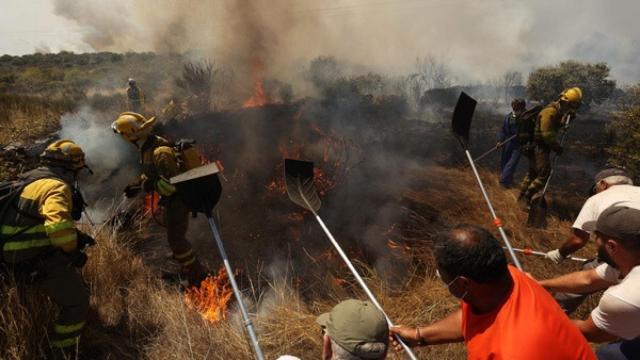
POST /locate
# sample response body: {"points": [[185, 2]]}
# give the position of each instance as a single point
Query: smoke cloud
{"points": [[479, 40], [112, 160]]}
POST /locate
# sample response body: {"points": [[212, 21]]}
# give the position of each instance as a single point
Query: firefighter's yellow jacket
{"points": [[161, 161], [39, 220], [547, 125]]}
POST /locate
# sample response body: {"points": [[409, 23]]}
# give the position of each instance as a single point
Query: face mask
{"points": [[461, 297]]}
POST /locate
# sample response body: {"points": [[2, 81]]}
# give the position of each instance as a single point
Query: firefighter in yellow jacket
{"points": [[161, 161], [550, 120], [38, 236]]}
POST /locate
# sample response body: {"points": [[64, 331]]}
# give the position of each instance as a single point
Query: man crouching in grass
{"points": [[504, 314]]}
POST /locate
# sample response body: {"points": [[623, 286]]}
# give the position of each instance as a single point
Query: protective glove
{"points": [[84, 240], [77, 258], [555, 256], [132, 190]]}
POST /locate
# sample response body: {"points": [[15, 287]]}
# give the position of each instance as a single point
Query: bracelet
{"points": [[421, 341]]}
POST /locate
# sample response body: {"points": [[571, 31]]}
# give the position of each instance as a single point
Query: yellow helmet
{"points": [[133, 126], [64, 153], [573, 96]]}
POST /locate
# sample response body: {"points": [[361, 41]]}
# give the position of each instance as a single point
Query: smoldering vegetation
{"points": [[390, 176]]}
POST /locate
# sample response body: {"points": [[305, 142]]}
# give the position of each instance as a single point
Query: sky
{"points": [[478, 39]]}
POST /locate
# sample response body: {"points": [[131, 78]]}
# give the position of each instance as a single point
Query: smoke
{"points": [[479, 40], [112, 160]]}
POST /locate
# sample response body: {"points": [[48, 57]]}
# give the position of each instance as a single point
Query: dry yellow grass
{"points": [[135, 315]]}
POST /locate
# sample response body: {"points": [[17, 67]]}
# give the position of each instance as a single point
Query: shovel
{"points": [[461, 124], [302, 191], [200, 190], [538, 212], [495, 148]]}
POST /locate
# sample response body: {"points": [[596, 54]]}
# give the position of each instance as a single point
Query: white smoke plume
{"points": [[112, 160], [479, 39]]}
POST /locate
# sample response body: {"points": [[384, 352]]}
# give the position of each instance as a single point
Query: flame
{"points": [[151, 204], [259, 98], [211, 299], [339, 281]]}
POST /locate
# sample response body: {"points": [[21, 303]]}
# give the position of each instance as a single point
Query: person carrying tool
{"points": [[617, 316], [354, 330], [40, 242], [511, 150], [610, 187], [160, 161], [504, 314], [550, 120], [135, 96]]}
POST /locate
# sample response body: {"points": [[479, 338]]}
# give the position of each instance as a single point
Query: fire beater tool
{"points": [[302, 191], [461, 124], [200, 190], [495, 148], [540, 253], [538, 212]]}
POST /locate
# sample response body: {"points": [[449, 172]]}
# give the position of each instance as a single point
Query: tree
{"points": [[546, 83], [624, 126], [429, 74], [510, 81]]}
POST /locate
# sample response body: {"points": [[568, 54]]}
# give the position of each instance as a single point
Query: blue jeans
{"points": [[508, 164], [620, 350]]}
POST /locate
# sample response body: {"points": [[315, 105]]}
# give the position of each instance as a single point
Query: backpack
{"points": [[526, 125], [188, 156]]}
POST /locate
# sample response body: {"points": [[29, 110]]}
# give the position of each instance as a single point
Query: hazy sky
{"points": [[481, 39], [26, 25]]}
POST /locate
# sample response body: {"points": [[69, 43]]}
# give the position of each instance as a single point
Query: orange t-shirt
{"points": [[529, 326]]}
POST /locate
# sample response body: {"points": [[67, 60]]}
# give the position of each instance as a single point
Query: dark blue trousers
{"points": [[509, 164]]}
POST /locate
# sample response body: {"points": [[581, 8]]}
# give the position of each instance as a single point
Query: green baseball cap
{"points": [[353, 323]]}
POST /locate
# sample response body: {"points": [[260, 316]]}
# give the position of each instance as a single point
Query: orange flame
{"points": [[211, 299], [151, 204], [259, 98]]}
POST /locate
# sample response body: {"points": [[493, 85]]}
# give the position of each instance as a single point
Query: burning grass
{"points": [[134, 314]]}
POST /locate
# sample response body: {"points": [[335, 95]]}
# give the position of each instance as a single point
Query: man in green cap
{"points": [[354, 330]]}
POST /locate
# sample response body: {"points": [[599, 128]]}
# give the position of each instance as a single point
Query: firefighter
{"points": [[161, 161], [135, 96], [39, 239], [551, 119]]}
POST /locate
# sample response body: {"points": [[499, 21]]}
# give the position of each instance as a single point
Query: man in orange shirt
{"points": [[504, 314]]}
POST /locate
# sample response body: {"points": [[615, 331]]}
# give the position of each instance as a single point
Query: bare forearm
{"points": [[591, 332], [447, 330], [581, 282]]}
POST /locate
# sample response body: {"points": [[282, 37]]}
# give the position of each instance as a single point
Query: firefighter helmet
{"points": [[132, 81], [64, 153], [133, 126], [573, 96]]}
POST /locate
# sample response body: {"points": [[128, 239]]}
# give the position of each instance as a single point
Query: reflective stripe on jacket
{"points": [[39, 221]]}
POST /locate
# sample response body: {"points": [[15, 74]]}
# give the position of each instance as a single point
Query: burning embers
{"points": [[259, 98], [211, 299]]}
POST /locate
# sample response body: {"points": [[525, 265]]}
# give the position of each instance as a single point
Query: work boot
{"points": [[193, 274]]}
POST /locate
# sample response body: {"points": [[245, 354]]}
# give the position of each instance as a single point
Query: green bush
{"points": [[624, 126]]}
